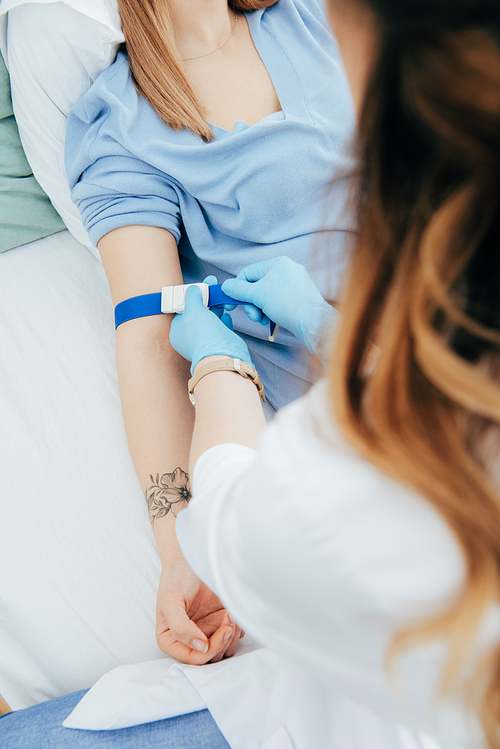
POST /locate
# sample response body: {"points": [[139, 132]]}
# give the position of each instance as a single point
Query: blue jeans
{"points": [[39, 727]]}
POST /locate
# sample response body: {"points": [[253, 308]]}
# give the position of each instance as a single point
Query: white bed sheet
{"points": [[78, 558], [258, 700]]}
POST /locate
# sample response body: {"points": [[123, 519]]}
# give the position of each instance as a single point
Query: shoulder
{"points": [[315, 8], [301, 29], [303, 7], [312, 13], [112, 88], [107, 110], [112, 109], [99, 115]]}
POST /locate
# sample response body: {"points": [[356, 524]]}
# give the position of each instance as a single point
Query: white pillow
{"points": [[55, 50]]}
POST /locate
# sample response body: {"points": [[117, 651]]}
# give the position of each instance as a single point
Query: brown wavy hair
{"points": [[425, 286], [156, 66]]}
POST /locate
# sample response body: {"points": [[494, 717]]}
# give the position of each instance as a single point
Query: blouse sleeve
{"points": [[111, 186], [325, 559]]}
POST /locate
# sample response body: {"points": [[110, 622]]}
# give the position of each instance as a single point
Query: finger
{"points": [[224, 316], [169, 645], [218, 311], [253, 312], [241, 632], [222, 644], [233, 644], [210, 624], [219, 643], [184, 630], [255, 271], [227, 320], [230, 638], [239, 289], [230, 307], [210, 280], [193, 297]]}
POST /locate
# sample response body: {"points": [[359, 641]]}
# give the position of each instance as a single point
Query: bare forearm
{"points": [[159, 421], [152, 376]]}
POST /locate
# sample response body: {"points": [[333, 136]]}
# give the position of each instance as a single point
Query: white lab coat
{"points": [[323, 558]]}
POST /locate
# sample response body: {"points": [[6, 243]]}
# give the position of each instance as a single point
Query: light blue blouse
{"points": [[252, 193]]}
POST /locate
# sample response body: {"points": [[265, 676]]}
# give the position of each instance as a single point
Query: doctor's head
{"points": [[400, 28], [424, 281]]}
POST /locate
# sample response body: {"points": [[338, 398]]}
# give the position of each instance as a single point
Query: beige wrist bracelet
{"points": [[226, 365]]}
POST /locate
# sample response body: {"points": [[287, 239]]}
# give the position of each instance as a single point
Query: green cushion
{"points": [[26, 213]]}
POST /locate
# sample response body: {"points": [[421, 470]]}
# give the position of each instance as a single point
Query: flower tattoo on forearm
{"points": [[168, 493]]}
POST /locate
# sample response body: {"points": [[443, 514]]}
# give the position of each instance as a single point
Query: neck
{"points": [[200, 25]]}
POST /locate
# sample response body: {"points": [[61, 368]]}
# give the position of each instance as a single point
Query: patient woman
{"points": [[209, 146], [360, 538]]}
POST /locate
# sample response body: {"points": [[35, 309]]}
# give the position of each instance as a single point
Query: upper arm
{"points": [[109, 169], [139, 260]]}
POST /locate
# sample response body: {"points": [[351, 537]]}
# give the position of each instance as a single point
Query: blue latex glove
{"points": [[283, 291], [198, 332]]}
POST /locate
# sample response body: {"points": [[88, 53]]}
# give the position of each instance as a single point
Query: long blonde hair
{"points": [[425, 285], [156, 66]]}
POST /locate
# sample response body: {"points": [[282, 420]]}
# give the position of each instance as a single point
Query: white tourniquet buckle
{"points": [[173, 297]]}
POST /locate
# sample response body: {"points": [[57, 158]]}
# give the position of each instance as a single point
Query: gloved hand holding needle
{"points": [[279, 290]]}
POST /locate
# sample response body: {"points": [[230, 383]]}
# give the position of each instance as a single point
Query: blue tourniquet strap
{"points": [[150, 304], [138, 306], [217, 297]]}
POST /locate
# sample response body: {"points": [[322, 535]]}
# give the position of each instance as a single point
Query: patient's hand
{"points": [[191, 623]]}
